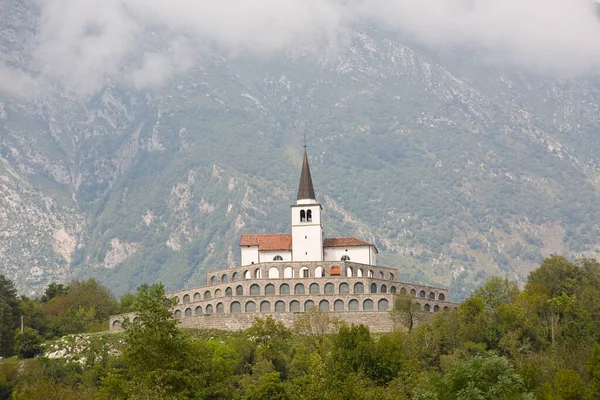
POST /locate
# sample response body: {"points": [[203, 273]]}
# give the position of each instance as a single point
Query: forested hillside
{"points": [[542, 342], [458, 170]]}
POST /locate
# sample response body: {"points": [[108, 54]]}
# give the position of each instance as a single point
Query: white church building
{"points": [[306, 242]]}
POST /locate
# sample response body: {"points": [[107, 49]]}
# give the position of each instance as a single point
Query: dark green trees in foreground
{"points": [[542, 342]]}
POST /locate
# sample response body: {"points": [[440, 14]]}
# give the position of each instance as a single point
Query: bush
{"points": [[28, 344]]}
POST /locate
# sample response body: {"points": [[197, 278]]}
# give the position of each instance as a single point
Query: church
{"points": [[306, 242], [284, 275]]}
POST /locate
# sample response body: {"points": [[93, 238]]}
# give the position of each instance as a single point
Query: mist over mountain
{"points": [[140, 139]]}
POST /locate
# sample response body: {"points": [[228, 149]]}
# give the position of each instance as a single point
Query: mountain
{"points": [[457, 170]]}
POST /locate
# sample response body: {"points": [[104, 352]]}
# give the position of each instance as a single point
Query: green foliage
{"points": [[501, 343], [269, 388], [28, 344], [481, 378], [9, 316], [497, 291]]}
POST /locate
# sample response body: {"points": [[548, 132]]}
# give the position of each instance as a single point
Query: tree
{"points": [[53, 290], [315, 324], [497, 291], [28, 344], [9, 316], [556, 275], [482, 378], [269, 388], [406, 311]]}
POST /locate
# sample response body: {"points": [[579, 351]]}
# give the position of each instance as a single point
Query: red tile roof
{"points": [[280, 241], [283, 241], [344, 242]]}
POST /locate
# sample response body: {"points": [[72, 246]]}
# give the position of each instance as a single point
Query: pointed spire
{"points": [[306, 190]]}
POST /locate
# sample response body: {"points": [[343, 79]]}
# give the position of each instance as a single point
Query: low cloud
{"points": [[82, 42]]}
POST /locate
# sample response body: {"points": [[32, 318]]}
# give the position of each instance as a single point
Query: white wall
{"points": [[267, 256], [249, 255], [307, 237], [358, 254]]}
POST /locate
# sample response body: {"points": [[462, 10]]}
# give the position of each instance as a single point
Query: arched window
{"points": [[269, 289], [247, 275], [116, 324], [197, 296], [273, 272], [382, 305], [224, 278], [393, 290], [413, 292], [207, 295], [344, 288], [328, 289], [284, 289], [304, 273], [359, 273], [368, 305], [373, 288], [446, 308], [319, 272], [250, 307], [383, 289], [257, 273], [218, 293], [380, 275], [308, 305], [302, 216], [265, 306], [209, 309], [370, 275], [213, 280], [436, 308], [278, 258], [431, 296], [228, 292], [345, 258], [309, 216], [359, 288], [288, 273], [338, 305], [255, 290], [220, 308], [349, 272], [186, 298], [198, 310], [441, 297], [235, 307], [422, 294], [239, 290], [427, 308], [392, 277], [294, 306], [402, 290], [314, 288], [235, 276], [177, 314], [353, 305], [279, 306], [324, 305], [299, 288]]}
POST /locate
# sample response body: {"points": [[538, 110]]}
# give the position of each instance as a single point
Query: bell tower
{"points": [[307, 230]]}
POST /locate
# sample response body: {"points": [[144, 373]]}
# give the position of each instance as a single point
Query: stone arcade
{"points": [[284, 275]]}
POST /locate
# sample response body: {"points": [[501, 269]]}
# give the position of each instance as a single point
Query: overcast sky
{"points": [[81, 41]]}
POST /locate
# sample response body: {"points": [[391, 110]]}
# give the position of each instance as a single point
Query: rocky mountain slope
{"points": [[456, 170]]}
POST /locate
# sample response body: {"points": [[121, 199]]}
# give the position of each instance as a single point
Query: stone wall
{"points": [[356, 293]]}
